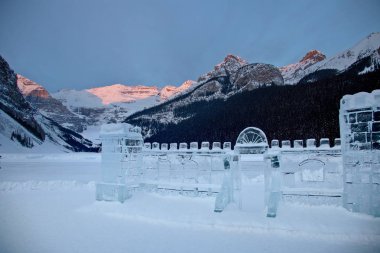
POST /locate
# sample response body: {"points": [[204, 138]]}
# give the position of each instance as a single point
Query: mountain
{"points": [[230, 64], [40, 99], [292, 73], [236, 94], [171, 91], [286, 112], [23, 126], [115, 102], [233, 95], [119, 93], [366, 54], [230, 77]]}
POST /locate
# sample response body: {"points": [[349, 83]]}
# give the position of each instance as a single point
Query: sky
{"points": [[79, 44]]}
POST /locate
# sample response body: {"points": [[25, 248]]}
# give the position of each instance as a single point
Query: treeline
{"points": [[283, 112], [22, 139]]}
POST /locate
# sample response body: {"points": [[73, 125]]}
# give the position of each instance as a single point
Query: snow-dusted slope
{"points": [[78, 98], [368, 47]]}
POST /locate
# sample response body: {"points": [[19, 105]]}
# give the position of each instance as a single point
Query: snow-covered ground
{"points": [[47, 204]]}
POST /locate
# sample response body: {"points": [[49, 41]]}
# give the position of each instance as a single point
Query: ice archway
{"points": [[252, 140]]}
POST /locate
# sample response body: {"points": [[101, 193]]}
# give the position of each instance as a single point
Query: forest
{"points": [[309, 109]]}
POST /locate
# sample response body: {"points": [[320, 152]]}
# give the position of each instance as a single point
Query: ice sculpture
{"points": [[173, 146], [230, 189], [216, 146], [251, 141], [298, 144], [359, 119], [194, 145], [121, 161], [205, 145], [307, 174], [285, 144], [324, 143], [273, 185], [183, 146], [164, 146], [311, 143], [155, 146], [147, 146], [227, 146], [251, 145]]}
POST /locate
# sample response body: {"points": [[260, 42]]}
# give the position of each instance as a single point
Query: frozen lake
{"points": [[48, 205]]}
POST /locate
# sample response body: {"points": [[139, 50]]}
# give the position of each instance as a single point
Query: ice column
{"points": [[229, 190], [273, 184]]}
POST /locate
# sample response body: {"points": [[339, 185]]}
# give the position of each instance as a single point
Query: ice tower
{"points": [[359, 119], [121, 161]]}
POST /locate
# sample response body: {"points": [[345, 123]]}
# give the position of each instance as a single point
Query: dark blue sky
{"points": [[87, 43]]}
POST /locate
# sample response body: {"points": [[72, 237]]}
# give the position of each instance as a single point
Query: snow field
{"points": [[48, 205]]}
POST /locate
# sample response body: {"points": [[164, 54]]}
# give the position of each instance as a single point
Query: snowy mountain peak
{"points": [[170, 91], [363, 48], [313, 56], [167, 92], [30, 88], [373, 38], [186, 84], [292, 73], [119, 93], [231, 63]]}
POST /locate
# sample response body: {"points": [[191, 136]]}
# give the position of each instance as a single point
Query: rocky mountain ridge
{"points": [[292, 73], [231, 63], [232, 76], [41, 99]]}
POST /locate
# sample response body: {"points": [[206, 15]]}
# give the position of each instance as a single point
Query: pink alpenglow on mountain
{"points": [[292, 73], [170, 91], [119, 93], [30, 88]]}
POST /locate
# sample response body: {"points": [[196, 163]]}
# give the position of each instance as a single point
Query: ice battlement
{"points": [[284, 145]]}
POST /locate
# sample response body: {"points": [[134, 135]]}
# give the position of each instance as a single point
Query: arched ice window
{"points": [[252, 141]]}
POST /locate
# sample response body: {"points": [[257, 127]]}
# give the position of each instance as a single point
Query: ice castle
{"points": [[346, 172]]}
